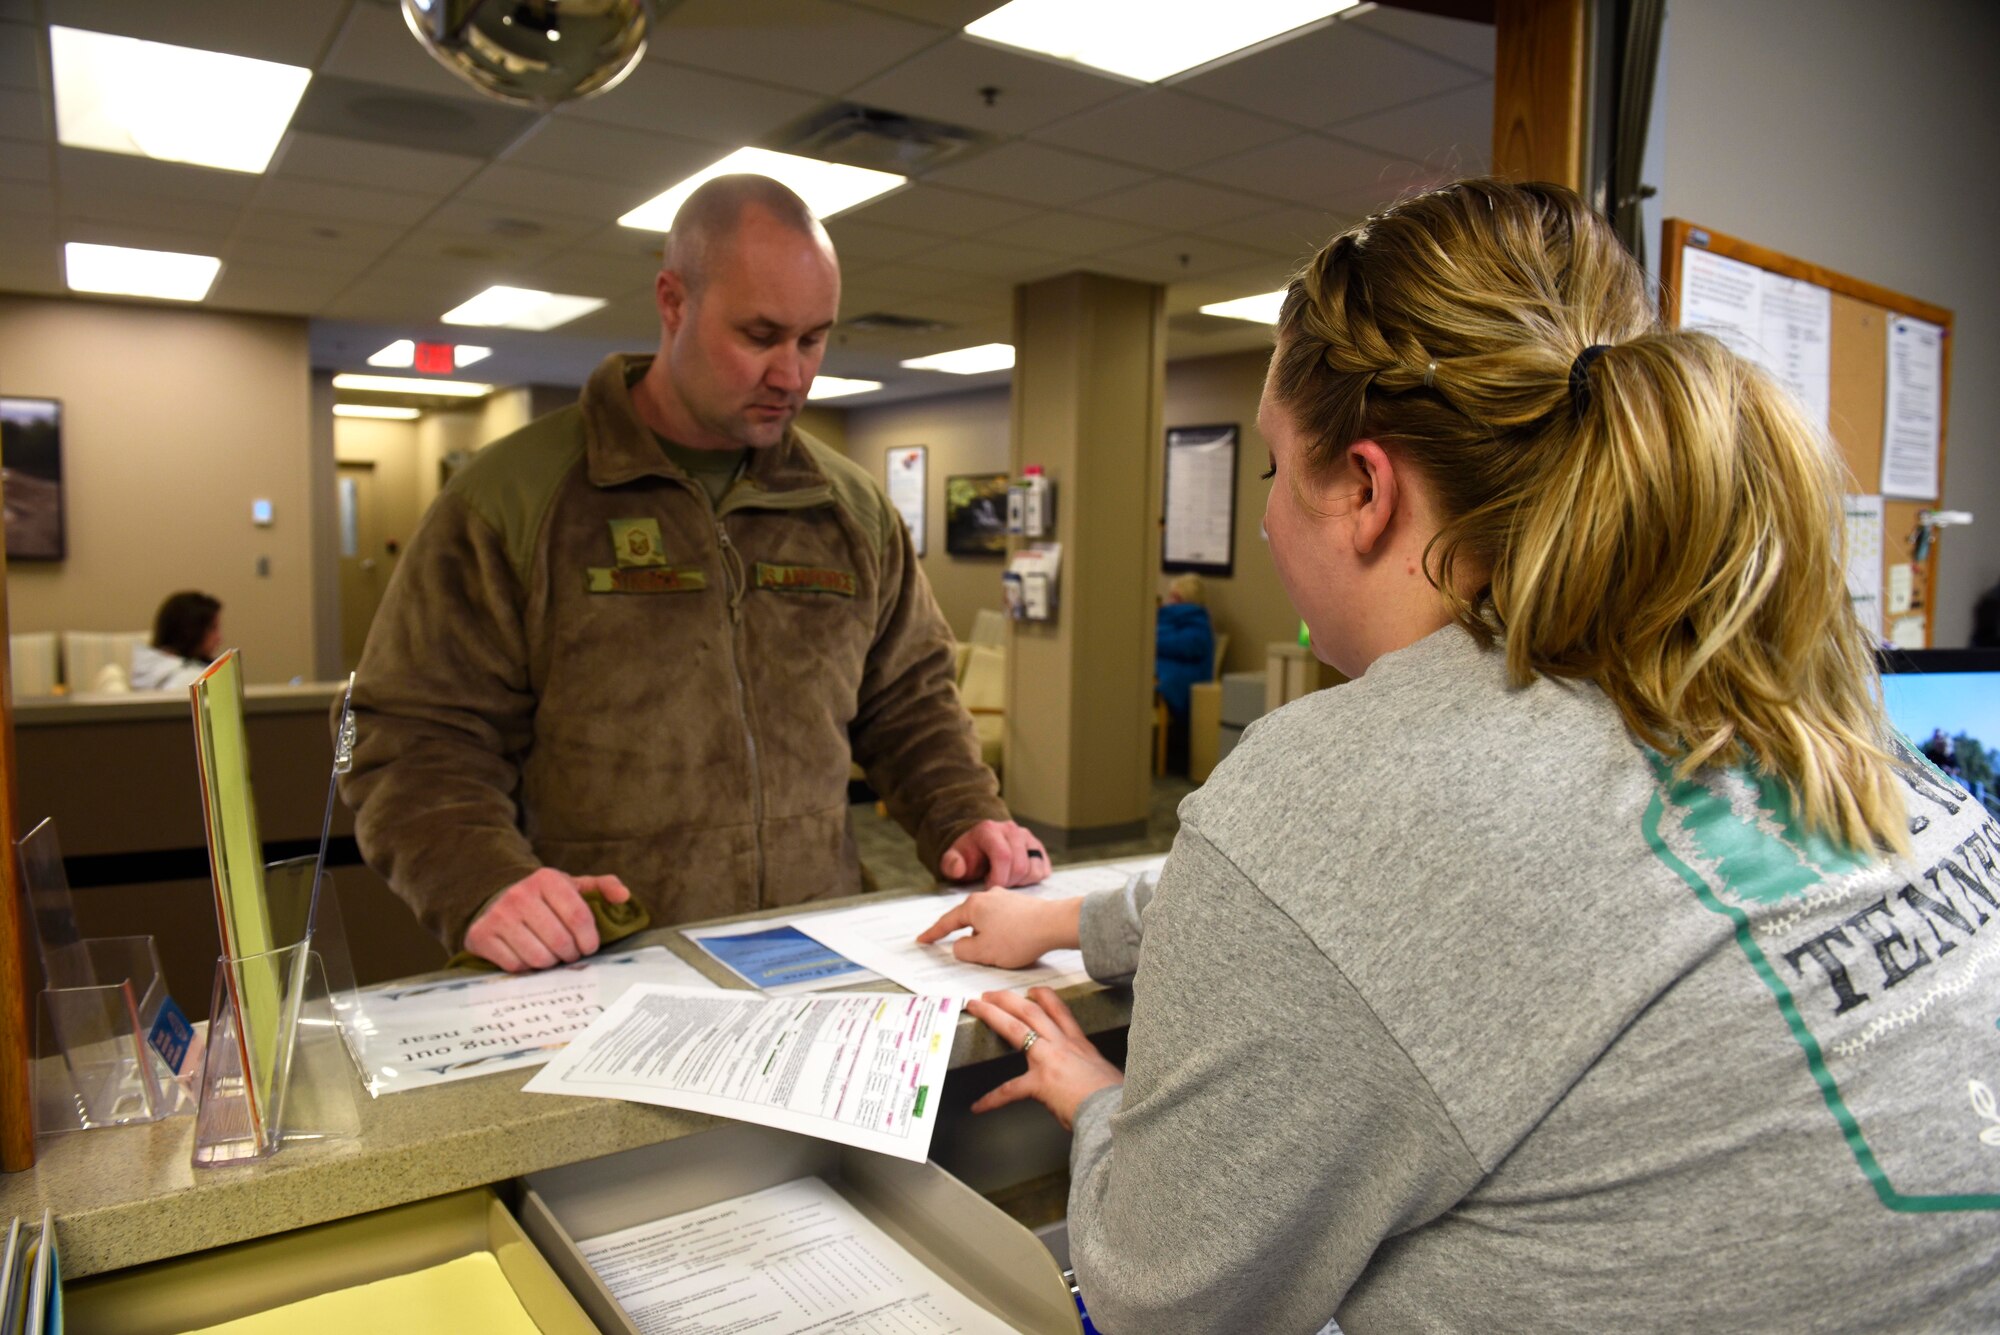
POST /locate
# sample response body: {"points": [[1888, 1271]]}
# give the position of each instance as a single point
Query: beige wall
{"points": [[962, 433], [1250, 606], [391, 448], [174, 420]]}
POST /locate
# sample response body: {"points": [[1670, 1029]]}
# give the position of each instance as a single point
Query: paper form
{"points": [[1914, 405], [1864, 560], [1201, 495], [409, 1036], [469, 1293], [778, 958], [883, 936], [1785, 325], [859, 1068], [783, 1261]]}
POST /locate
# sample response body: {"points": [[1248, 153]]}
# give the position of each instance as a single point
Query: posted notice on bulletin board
{"points": [[1200, 510]]}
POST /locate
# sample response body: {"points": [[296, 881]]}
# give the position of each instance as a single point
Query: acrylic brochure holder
{"points": [[100, 1003], [278, 1070]]}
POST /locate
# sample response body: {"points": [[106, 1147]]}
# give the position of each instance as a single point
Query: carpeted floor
{"points": [[891, 855]]}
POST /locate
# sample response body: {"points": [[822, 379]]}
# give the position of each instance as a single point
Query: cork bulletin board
{"points": [[1857, 327]]}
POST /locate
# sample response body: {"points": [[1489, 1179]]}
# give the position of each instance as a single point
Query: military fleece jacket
{"points": [[583, 663], [1456, 1011]]}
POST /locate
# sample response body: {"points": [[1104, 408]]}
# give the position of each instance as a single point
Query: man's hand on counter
{"points": [[999, 851], [1008, 931], [541, 921]]}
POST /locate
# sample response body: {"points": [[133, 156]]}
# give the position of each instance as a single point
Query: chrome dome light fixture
{"points": [[534, 53]]}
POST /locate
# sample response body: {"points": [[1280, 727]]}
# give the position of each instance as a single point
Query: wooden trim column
{"points": [[1540, 90], [17, 1044]]}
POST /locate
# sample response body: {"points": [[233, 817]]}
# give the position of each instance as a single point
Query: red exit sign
{"points": [[435, 358]]}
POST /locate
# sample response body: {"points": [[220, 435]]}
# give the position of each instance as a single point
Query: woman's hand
{"points": [[1009, 931], [1064, 1067]]}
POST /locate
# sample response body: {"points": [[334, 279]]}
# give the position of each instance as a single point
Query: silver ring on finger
{"points": [[1030, 1041]]}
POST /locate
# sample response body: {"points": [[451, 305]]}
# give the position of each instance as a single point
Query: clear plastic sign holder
{"points": [[99, 1002]]}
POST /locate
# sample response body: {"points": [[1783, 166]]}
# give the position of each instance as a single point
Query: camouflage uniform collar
{"points": [[620, 447]]}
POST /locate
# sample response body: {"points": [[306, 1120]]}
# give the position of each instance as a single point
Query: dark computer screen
{"points": [[1947, 702]]}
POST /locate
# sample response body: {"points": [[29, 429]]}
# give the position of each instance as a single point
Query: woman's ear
{"points": [[1375, 501]]}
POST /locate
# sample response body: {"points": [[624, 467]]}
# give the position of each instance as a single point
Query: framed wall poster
{"points": [[1198, 519], [908, 470], [975, 514], [31, 474]]}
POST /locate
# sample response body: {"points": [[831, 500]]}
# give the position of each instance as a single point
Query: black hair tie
{"points": [[1579, 378]]}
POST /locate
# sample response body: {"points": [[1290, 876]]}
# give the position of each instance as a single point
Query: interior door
{"points": [[364, 558]]}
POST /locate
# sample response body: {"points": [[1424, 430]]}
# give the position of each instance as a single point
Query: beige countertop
{"points": [[123, 1196], [311, 697]]}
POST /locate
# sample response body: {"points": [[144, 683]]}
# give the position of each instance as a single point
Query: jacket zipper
{"points": [[734, 575]]}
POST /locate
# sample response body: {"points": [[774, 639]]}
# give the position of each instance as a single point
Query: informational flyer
{"points": [[907, 472], [859, 1068], [408, 1036], [1864, 560], [1783, 324], [1913, 409], [778, 959], [1201, 499], [789, 1260]]}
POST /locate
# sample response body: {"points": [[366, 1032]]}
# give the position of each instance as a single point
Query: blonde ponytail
{"points": [[1636, 506]]}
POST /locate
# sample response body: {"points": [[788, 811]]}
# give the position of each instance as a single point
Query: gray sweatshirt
{"points": [[1456, 1011]]}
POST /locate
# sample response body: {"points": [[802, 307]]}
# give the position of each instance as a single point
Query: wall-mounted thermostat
{"points": [[260, 513]]}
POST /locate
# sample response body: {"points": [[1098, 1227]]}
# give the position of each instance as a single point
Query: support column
{"points": [[1089, 378]]}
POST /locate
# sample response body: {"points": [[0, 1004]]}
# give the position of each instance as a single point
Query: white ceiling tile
{"points": [[1251, 279], [273, 288], [909, 280], [981, 258], [945, 84], [375, 45], [1467, 42], [1069, 233], [86, 176], [649, 162], [602, 201], [694, 105], [20, 11], [25, 268], [27, 198], [309, 259], [1172, 259], [380, 166], [799, 43], [857, 241], [311, 231], [142, 235], [952, 14], [20, 56], [213, 222], [1292, 232], [588, 271], [293, 32], [624, 243], [516, 227], [631, 319], [1037, 173], [1169, 203], [1451, 133], [1312, 170], [25, 160], [25, 114], [940, 211], [1329, 74], [292, 195], [1163, 129]]}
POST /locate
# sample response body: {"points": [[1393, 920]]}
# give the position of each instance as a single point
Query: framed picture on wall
{"points": [[1198, 521], [31, 465], [907, 469], [975, 514]]}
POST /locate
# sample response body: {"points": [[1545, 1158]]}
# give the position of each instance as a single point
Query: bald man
{"points": [[635, 645]]}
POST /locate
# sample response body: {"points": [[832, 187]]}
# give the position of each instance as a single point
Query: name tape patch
{"points": [[646, 579], [805, 579]]}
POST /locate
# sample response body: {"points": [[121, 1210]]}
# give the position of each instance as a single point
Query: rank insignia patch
{"points": [[636, 542]]}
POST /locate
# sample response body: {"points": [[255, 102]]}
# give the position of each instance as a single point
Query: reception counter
{"points": [[125, 1196]]}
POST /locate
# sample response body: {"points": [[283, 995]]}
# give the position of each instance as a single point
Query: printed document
{"points": [[787, 1260], [860, 1068], [883, 936], [407, 1036], [1911, 414], [778, 958]]}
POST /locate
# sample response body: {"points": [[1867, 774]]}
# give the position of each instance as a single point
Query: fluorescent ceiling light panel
{"points": [[826, 187], [403, 352], [503, 307], [139, 273], [404, 384], [838, 387], [465, 354], [374, 410], [1260, 309], [967, 361], [1147, 40], [174, 103]]}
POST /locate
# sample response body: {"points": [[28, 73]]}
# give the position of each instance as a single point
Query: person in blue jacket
{"points": [[1183, 654]]}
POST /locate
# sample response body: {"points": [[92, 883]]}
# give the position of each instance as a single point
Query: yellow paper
{"points": [[468, 1294]]}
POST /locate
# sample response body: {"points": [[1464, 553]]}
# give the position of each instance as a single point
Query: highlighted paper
{"points": [[470, 1293], [787, 1260], [861, 1069]]}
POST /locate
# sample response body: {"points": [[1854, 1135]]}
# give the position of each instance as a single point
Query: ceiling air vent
{"points": [[884, 322], [884, 140]]}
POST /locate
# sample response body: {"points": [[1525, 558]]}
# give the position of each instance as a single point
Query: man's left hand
{"points": [[999, 851]]}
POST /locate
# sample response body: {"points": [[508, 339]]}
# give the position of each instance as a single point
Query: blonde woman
{"points": [[1597, 959]]}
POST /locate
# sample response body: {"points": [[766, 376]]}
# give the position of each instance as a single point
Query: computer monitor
{"points": [[1947, 702]]}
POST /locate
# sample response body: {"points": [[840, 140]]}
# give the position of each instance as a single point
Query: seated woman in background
{"points": [[1183, 654], [1598, 958], [187, 635]]}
